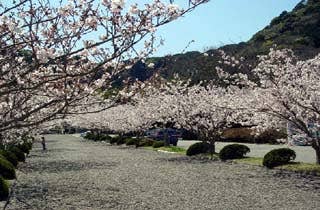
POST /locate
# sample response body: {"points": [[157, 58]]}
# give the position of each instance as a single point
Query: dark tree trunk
{"points": [[138, 138], [212, 148], [1, 142], [166, 138], [316, 147], [318, 156]]}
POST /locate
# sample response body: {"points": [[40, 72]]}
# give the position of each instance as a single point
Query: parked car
{"points": [[159, 134], [83, 134], [299, 140]]}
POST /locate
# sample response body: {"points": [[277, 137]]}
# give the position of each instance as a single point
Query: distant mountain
{"points": [[298, 30]]}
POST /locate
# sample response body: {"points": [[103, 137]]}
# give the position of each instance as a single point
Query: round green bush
{"points": [[145, 142], [198, 148], [11, 157], [6, 169], [278, 157], [29, 145], [89, 136], [233, 151], [120, 141], [158, 144], [4, 189], [104, 138], [113, 140], [95, 137], [131, 141], [18, 153], [24, 148], [99, 137]]}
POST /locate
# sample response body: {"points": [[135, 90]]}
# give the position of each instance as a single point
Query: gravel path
{"points": [[75, 174]]}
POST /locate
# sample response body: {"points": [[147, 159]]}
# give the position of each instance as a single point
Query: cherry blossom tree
{"points": [[208, 110], [204, 109], [289, 92], [53, 55]]}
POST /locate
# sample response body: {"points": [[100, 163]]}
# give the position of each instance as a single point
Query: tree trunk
{"points": [[166, 138], [212, 148], [318, 156], [316, 147], [139, 137], [1, 142]]}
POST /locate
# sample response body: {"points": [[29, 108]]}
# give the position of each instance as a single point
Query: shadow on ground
{"points": [[66, 166], [186, 159]]}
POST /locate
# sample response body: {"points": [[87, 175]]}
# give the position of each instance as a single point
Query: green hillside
{"points": [[298, 30]]}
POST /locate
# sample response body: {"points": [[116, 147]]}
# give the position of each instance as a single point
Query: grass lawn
{"points": [[309, 168], [175, 149], [302, 167], [293, 166]]}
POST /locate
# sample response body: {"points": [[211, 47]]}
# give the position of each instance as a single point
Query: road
{"points": [[77, 174], [304, 153]]}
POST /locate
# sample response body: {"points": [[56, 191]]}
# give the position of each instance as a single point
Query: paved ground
{"points": [[76, 174], [304, 153]]}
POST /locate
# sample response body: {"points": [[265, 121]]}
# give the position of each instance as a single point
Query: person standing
{"points": [[43, 142]]}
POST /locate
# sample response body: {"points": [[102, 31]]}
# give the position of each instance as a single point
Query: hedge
{"points": [[233, 151], [6, 169], [131, 141], [198, 148], [10, 156], [278, 157], [18, 153], [158, 144], [145, 142], [4, 189]]}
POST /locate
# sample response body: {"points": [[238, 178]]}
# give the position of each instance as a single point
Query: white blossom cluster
{"points": [[53, 55], [207, 110], [288, 90]]}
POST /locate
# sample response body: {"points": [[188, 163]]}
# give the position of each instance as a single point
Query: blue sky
{"points": [[216, 23], [220, 22]]}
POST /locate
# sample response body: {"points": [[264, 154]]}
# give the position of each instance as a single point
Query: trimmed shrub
{"points": [[158, 144], [278, 157], [18, 153], [95, 137], [6, 169], [131, 141], [4, 189], [89, 136], [29, 145], [145, 142], [24, 148], [198, 148], [11, 157], [120, 141], [104, 138], [100, 137], [113, 140], [233, 151]]}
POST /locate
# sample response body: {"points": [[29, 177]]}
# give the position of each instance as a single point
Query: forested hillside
{"points": [[298, 29]]}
